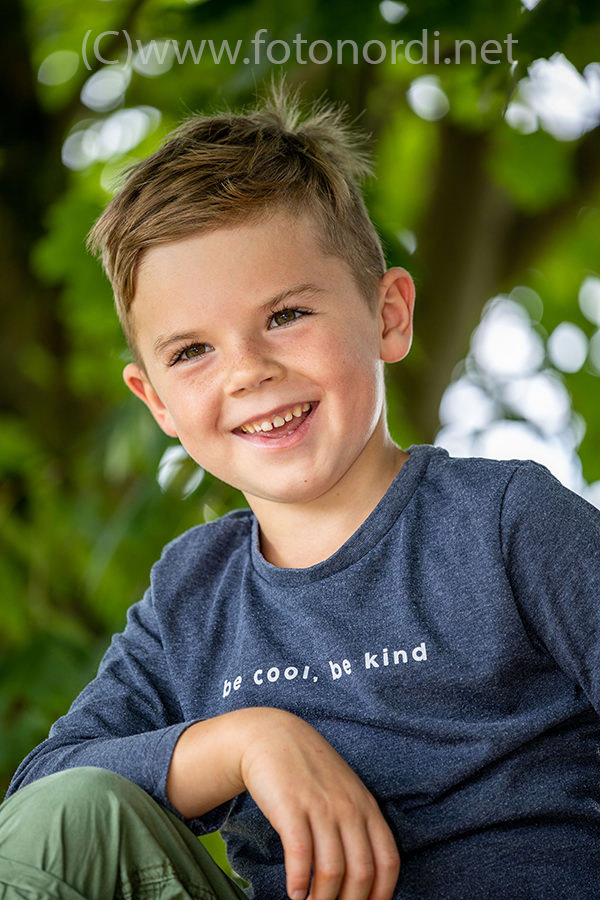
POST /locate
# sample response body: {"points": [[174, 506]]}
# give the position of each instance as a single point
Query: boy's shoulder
{"points": [[478, 476], [519, 493], [226, 532], [203, 549]]}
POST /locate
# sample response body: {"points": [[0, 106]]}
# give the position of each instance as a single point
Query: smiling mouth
{"points": [[281, 424]]}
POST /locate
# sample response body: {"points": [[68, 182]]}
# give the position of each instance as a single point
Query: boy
{"points": [[391, 656]]}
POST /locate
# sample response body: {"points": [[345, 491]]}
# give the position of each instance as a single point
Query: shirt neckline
{"points": [[377, 523]]}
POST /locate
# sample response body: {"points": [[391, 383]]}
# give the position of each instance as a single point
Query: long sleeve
{"points": [[551, 546], [128, 719]]}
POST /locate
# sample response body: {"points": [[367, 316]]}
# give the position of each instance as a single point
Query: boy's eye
{"points": [[192, 351], [284, 316]]}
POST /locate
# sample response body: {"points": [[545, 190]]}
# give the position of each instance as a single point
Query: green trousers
{"points": [[89, 833]]}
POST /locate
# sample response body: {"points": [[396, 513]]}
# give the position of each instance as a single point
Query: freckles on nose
{"points": [[247, 359], [250, 366]]}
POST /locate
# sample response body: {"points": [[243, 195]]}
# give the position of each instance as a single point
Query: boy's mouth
{"points": [[281, 423]]}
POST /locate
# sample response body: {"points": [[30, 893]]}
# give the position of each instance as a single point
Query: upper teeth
{"points": [[278, 420]]}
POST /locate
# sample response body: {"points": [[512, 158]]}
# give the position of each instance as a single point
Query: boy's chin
{"points": [[302, 492]]}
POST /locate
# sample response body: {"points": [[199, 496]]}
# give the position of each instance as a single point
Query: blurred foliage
{"points": [[82, 515]]}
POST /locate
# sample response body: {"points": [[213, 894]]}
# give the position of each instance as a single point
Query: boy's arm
{"points": [[128, 720], [327, 820], [551, 547]]}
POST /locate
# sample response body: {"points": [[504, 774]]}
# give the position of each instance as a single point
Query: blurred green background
{"points": [[487, 190]]}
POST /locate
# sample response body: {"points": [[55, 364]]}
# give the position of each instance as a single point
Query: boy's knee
{"points": [[70, 826], [80, 798], [81, 784]]}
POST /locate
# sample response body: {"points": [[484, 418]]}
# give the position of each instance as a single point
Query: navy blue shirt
{"points": [[449, 651]]}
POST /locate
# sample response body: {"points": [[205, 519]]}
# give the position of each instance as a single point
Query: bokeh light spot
{"points": [[427, 99], [58, 67], [567, 347]]}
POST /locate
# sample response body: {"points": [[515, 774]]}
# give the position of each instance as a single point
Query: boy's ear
{"points": [[396, 306], [138, 383]]}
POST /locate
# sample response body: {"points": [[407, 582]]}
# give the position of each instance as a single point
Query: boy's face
{"points": [[245, 326]]}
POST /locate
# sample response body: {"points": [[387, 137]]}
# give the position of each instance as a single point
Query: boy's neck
{"points": [[302, 535]]}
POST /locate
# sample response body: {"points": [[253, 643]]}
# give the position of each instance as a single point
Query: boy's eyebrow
{"points": [[163, 341]]}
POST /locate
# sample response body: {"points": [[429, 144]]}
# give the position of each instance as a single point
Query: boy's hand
{"points": [[326, 818]]}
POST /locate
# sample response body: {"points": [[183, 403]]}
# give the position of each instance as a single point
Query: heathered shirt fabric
{"points": [[449, 651]]}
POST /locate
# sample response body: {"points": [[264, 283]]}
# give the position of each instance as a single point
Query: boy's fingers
{"points": [[360, 864], [298, 853], [386, 858], [328, 863]]}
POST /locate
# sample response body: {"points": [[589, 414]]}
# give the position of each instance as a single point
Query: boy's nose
{"points": [[251, 365]]}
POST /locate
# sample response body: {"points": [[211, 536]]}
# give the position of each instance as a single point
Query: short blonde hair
{"points": [[231, 168]]}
